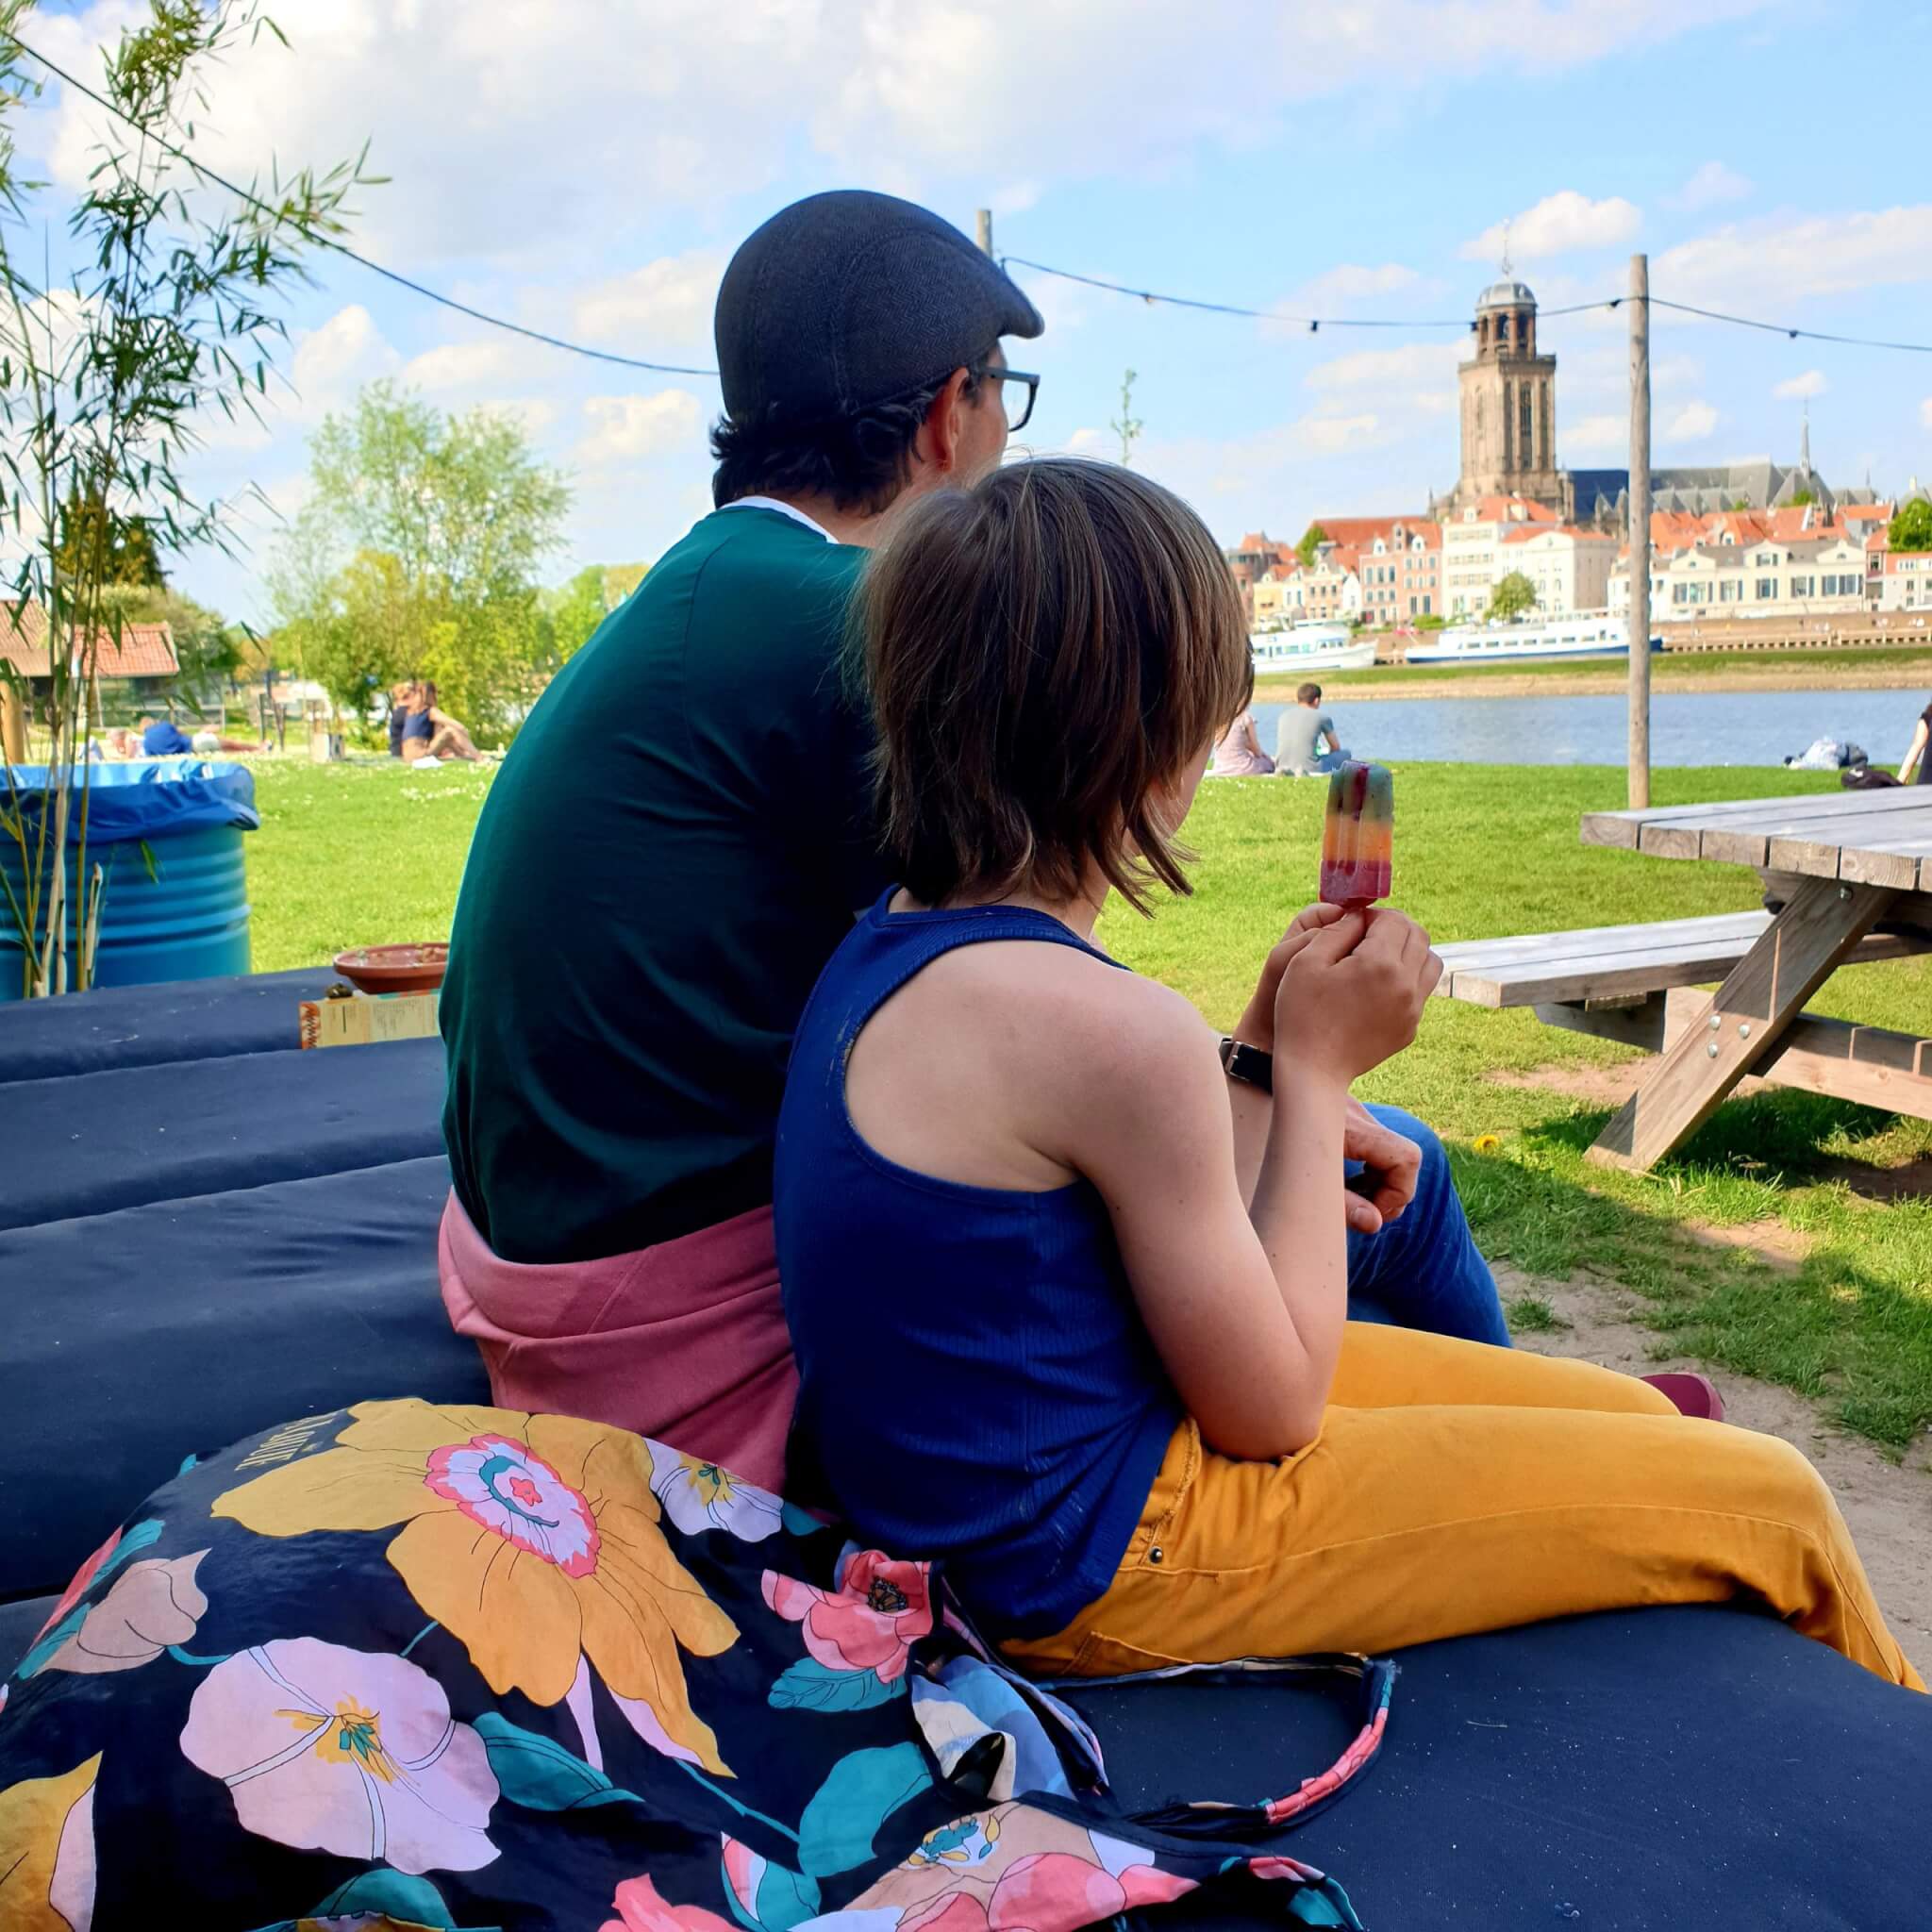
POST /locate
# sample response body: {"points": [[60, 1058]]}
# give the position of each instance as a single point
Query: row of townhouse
{"points": [[1792, 562], [1801, 560], [1386, 571]]}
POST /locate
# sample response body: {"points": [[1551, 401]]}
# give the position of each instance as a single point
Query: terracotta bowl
{"points": [[395, 969]]}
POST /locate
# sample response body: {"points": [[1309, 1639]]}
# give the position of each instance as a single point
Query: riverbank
{"points": [[1714, 672]]}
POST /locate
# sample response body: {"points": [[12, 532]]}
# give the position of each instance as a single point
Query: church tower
{"points": [[1508, 404]]}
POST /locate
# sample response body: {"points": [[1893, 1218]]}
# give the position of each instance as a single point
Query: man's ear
{"points": [[936, 445]]}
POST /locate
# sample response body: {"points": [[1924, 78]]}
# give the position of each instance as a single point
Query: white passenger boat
{"points": [[1282, 653], [1588, 634]]}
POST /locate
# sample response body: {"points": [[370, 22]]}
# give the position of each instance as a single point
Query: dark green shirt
{"points": [[675, 844]]}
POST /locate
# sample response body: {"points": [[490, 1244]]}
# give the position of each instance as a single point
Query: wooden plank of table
{"points": [[1624, 829], [1741, 927], [1896, 863], [1820, 852], [1870, 1065], [1822, 923], [1856, 820], [1529, 980]]}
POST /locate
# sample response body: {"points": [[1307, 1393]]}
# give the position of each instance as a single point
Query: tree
{"points": [[1911, 526], [171, 311], [124, 546], [423, 536], [1312, 540], [1127, 426], [572, 612], [1800, 498], [1515, 597]]}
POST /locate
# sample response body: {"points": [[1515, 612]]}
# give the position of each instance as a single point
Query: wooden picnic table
{"points": [[1840, 863]]}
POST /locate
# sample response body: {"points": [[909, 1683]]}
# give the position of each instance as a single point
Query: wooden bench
{"points": [[1634, 984]]}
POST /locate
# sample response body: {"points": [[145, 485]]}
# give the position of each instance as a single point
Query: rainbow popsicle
{"points": [[1359, 837]]}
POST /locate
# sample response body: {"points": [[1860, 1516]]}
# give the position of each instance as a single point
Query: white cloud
{"points": [[462, 365], [665, 304], [505, 140], [1595, 436], [1812, 383], [1558, 224], [1711, 186], [627, 429], [1925, 413], [1089, 442], [1692, 423], [1769, 264], [334, 361]]}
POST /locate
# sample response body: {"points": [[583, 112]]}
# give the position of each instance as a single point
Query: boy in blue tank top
{"points": [[1069, 1288]]}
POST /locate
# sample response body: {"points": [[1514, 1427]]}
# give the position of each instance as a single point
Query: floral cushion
{"points": [[418, 1665]]}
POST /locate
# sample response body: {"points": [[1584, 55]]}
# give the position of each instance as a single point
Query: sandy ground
{"points": [[1594, 684], [1888, 1506]]}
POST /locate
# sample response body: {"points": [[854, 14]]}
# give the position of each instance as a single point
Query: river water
{"points": [[1701, 729]]}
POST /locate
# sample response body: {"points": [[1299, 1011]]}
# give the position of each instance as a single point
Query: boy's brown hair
{"points": [[1045, 652]]}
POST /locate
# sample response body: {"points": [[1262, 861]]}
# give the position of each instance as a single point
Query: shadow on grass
{"points": [[1850, 1324]]}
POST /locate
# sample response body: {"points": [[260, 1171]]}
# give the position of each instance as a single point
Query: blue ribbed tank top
{"points": [[975, 1383]]}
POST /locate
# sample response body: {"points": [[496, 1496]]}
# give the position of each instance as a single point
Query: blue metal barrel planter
{"points": [[168, 832]]}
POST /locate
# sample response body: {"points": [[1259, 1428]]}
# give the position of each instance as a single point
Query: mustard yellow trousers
{"points": [[1457, 1488]]}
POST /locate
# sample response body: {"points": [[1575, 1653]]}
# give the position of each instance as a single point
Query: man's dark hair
{"points": [[1307, 693], [857, 462], [1047, 652]]}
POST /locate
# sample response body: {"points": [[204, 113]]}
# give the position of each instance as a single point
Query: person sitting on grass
{"points": [[1070, 1296], [166, 739], [432, 733], [1238, 752], [402, 701], [1304, 728]]}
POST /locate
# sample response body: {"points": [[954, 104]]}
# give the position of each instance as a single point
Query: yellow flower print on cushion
{"points": [[533, 1540]]}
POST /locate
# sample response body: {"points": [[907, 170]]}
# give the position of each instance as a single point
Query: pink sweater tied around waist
{"points": [[684, 1341]]}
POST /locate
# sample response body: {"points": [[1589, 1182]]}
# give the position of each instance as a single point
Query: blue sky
{"points": [[587, 165]]}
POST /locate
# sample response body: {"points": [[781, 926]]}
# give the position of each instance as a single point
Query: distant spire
{"points": [[1805, 441], [1506, 251]]}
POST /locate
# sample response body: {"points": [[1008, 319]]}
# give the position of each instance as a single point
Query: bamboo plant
{"points": [[169, 310]]}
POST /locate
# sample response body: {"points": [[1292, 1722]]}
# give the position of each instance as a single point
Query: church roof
{"points": [[1506, 295]]}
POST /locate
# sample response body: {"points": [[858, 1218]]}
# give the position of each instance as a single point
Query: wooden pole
{"points": [[1640, 532], [985, 227], [12, 727]]}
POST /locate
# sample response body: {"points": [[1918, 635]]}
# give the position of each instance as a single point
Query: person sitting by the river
{"points": [[1917, 767], [1238, 752], [164, 739], [1305, 727], [1069, 1296], [429, 732], [401, 699]]}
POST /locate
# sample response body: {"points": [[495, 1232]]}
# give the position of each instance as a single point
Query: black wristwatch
{"points": [[1249, 1064]]}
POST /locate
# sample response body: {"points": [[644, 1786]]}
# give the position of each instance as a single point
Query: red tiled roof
{"points": [[146, 650], [1360, 533]]}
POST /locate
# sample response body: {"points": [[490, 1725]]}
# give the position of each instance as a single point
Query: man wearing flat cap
{"points": [[678, 839]]}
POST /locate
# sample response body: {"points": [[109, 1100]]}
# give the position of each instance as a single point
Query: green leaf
{"points": [[407, 1901], [540, 1774], [809, 1685], [846, 1811], [786, 1898]]}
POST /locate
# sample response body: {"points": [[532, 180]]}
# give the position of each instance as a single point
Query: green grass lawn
{"points": [[350, 856], [1913, 666]]}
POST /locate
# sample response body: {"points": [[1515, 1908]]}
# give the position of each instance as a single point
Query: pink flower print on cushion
{"points": [[345, 1750], [499, 1484], [640, 1908], [151, 1605], [870, 1623]]}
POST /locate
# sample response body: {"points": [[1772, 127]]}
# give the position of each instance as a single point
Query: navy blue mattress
{"points": [[273, 1255]]}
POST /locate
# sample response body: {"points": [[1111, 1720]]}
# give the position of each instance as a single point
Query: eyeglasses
{"points": [[1018, 403]]}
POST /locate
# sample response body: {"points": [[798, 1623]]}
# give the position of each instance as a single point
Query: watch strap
{"points": [[1250, 1065]]}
